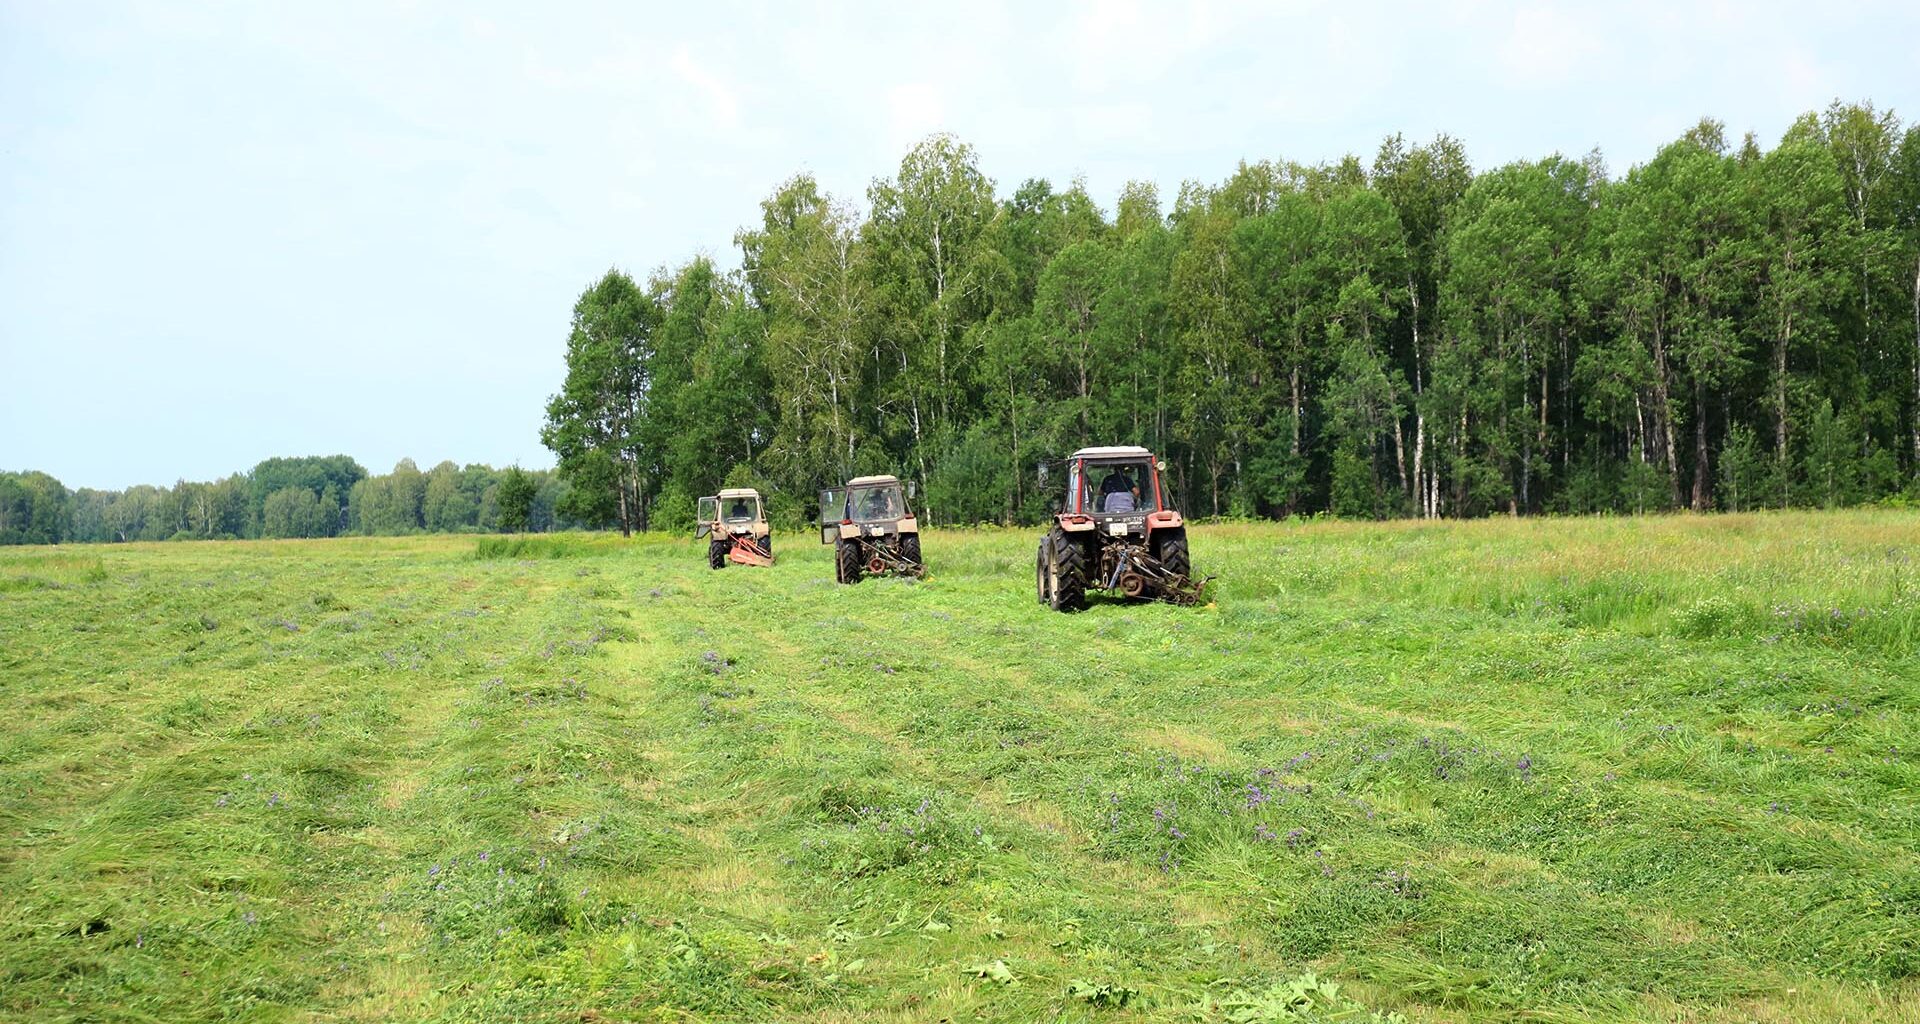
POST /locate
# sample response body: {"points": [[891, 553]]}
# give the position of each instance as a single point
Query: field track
{"points": [[1616, 769]]}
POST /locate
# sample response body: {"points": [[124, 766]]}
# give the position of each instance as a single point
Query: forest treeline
{"points": [[1724, 326], [317, 496]]}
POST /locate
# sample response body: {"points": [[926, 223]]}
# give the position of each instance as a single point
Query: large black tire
{"points": [[1174, 555], [910, 549], [1069, 572], [766, 545], [846, 558], [716, 554], [1040, 571]]}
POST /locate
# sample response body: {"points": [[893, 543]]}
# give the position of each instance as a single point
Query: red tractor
{"points": [[1115, 533]]}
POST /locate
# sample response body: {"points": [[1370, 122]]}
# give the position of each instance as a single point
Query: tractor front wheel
{"points": [[766, 545], [846, 558], [1040, 572], [1067, 575], [716, 553], [910, 550]]}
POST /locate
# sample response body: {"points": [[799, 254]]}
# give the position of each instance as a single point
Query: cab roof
{"points": [[1113, 451], [861, 481], [739, 492]]}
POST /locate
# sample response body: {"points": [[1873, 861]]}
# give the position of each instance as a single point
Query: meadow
{"points": [[1634, 769]]}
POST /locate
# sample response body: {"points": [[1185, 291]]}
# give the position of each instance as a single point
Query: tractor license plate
{"points": [[1117, 529]]}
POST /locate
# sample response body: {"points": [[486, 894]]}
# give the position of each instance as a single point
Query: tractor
{"points": [[872, 530], [1115, 533], [735, 523]]}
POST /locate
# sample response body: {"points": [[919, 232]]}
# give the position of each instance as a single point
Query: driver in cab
{"points": [[877, 504], [1119, 492]]}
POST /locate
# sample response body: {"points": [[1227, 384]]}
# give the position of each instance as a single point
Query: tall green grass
{"points": [[563, 545], [1609, 769]]}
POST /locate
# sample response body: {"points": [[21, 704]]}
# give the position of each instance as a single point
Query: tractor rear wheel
{"points": [[1174, 555], [910, 550], [716, 553], [766, 545], [846, 557], [1068, 576]]}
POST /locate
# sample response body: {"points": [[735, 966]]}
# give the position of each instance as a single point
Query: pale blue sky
{"points": [[230, 232]]}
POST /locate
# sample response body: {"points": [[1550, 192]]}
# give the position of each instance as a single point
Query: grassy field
{"points": [[1636, 769]]}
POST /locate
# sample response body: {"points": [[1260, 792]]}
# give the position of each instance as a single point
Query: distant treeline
{"points": [[1725, 326], [317, 496]]}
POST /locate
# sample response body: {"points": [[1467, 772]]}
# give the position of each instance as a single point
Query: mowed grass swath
{"points": [[1617, 769]]}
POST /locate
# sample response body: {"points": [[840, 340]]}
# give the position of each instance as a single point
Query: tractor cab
{"points": [[872, 529], [1114, 485], [735, 523]]}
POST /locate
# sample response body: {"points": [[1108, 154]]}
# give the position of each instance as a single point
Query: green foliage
{"points": [[1749, 479], [597, 425], [328, 478], [513, 509], [1103, 994], [970, 485], [673, 510], [1722, 326], [34, 509], [1406, 339], [295, 512], [1304, 998]]}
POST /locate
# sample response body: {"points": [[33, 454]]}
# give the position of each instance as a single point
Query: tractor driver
{"points": [[878, 503], [739, 511], [1119, 492]]}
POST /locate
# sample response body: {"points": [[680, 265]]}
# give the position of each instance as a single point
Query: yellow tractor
{"points": [[872, 530], [735, 523]]}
